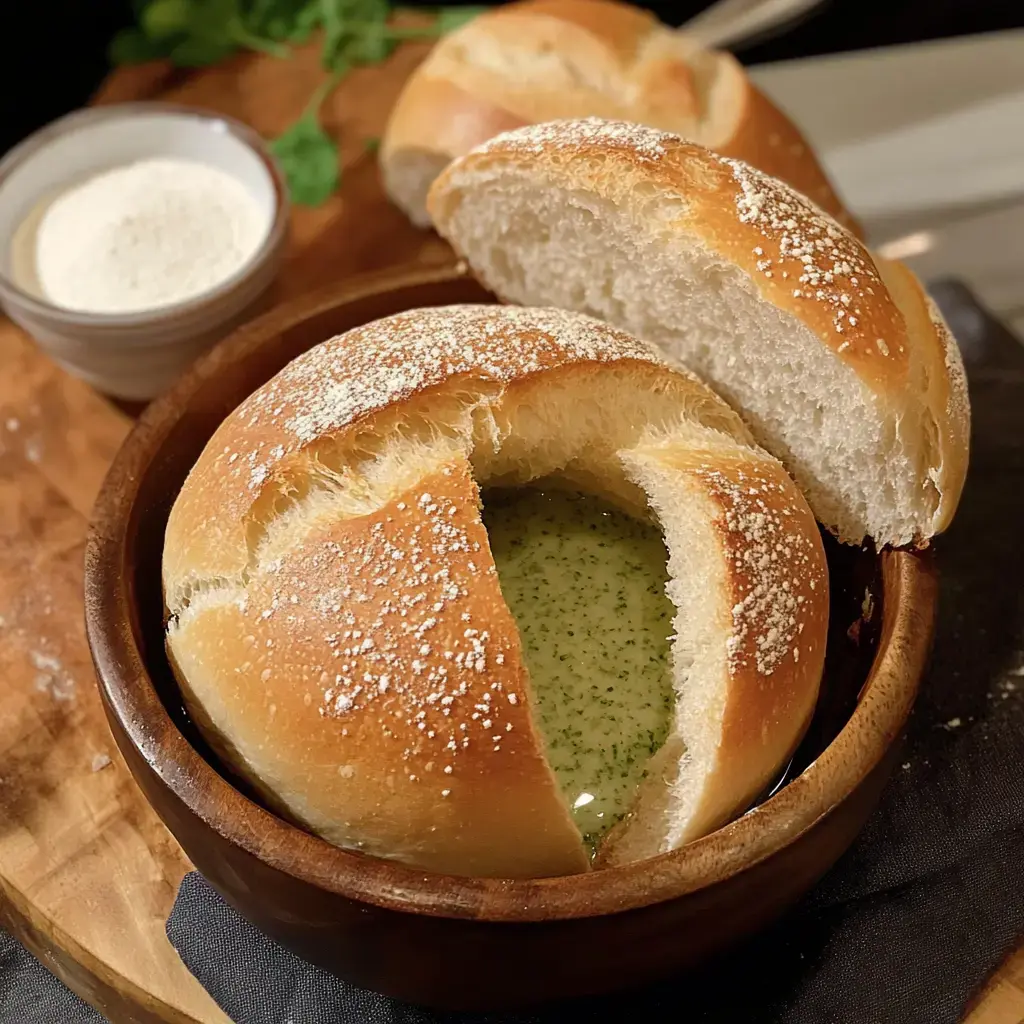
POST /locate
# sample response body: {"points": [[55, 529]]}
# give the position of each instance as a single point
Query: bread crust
{"points": [[540, 60], [945, 383], [757, 519], [798, 259], [360, 666], [776, 569], [407, 153]]}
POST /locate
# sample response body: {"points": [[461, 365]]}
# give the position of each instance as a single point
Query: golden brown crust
{"points": [[766, 139], [774, 591], [779, 584], [670, 90], [468, 119], [620, 27], [402, 710], [542, 60], [554, 68], [943, 380], [797, 257], [801, 260]]}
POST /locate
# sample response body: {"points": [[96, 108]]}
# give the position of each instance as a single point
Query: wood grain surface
{"points": [[87, 871]]}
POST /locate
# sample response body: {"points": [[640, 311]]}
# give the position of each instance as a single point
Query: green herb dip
{"points": [[586, 584]]}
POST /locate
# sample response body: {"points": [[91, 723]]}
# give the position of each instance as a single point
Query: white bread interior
{"points": [[388, 432], [857, 387]]}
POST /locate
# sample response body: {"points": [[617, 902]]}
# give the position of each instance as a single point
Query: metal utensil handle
{"points": [[729, 22]]}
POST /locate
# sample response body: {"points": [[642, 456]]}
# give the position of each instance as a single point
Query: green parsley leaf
{"points": [[309, 159], [213, 20], [197, 52], [280, 21], [196, 33], [241, 36], [334, 30], [164, 18], [369, 46], [306, 20], [132, 46], [355, 31]]}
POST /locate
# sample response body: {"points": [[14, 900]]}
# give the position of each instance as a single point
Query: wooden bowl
{"points": [[456, 942]]}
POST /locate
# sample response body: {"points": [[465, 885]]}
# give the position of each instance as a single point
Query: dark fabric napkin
{"points": [[30, 994], [908, 924]]}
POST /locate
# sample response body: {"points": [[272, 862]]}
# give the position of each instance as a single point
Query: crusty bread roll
{"points": [[840, 364], [335, 617], [540, 60]]}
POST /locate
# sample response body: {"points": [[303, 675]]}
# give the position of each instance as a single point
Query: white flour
{"points": [[52, 678], [145, 235]]}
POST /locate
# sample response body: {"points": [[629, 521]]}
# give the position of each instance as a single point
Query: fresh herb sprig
{"points": [[354, 33]]}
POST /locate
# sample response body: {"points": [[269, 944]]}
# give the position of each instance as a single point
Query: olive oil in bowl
{"points": [[586, 585]]}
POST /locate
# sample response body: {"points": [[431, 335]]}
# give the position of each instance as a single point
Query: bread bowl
{"points": [[839, 362], [338, 631], [539, 60]]}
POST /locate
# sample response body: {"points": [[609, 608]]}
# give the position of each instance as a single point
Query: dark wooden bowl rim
{"points": [[126, 686]]}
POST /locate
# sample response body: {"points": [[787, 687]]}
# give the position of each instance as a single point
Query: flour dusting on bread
{"points": [[371, 367], [644, 142], [776, 563], [835, 267]]}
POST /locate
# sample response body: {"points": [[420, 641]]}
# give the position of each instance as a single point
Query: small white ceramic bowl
{"points": [[135, 356]]}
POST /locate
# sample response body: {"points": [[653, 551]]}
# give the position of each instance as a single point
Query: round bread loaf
{"points": [[840, 364], [539, 60], [336, 622]]}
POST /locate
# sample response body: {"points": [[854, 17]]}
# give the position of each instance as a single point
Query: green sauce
{"points": [[586, 584]]}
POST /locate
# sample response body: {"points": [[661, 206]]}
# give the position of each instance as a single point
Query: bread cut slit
{"points": [[586, 584]]}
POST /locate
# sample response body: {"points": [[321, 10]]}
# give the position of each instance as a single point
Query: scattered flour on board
{"points": [[33, 444], [33, 449], [52, 678], [99, 762]]}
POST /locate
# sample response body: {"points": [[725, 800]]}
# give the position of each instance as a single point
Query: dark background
{"points": [[54, 51]]}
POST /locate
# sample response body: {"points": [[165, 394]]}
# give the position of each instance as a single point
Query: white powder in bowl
{"points": [[145, 235]]}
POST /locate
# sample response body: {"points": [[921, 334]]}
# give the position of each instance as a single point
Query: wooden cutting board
{"points": [[87, 871]]}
